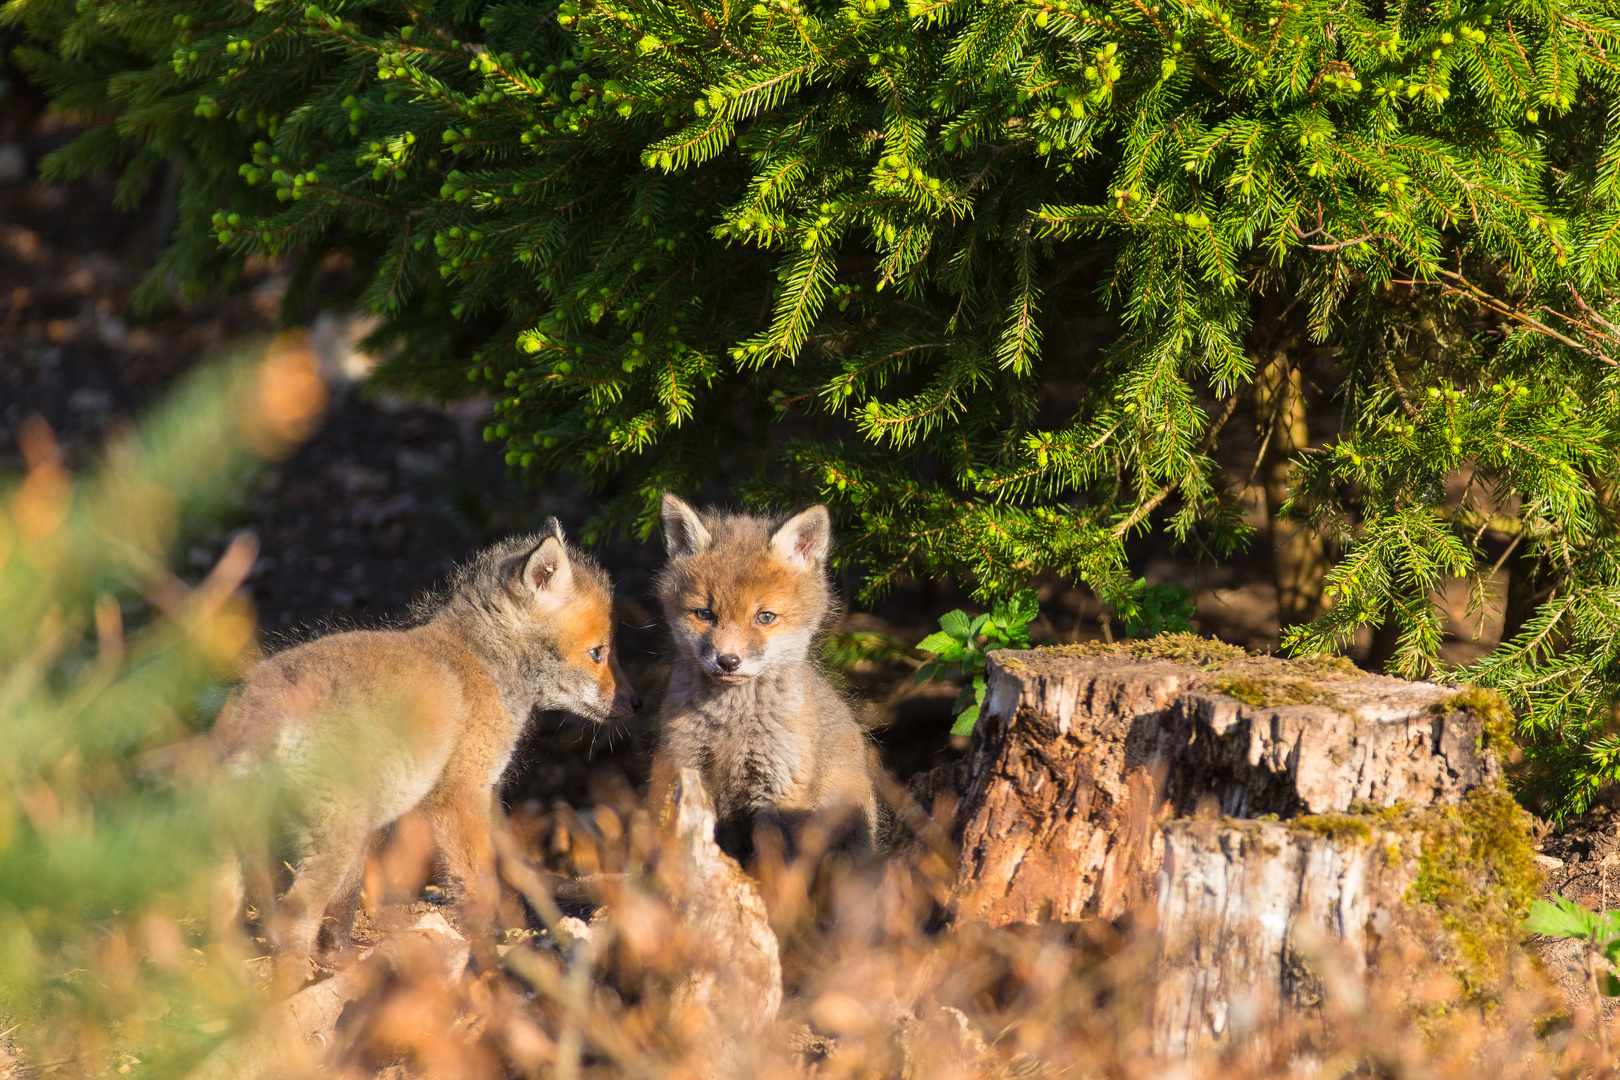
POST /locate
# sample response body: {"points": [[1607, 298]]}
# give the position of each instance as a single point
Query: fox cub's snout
{"points": [[738, 610]]}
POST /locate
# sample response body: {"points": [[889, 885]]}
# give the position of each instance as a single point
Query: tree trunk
{"points": [[1081, 752], [1098, 773], [1058, 797], [1298, 552], [1386, 639]]}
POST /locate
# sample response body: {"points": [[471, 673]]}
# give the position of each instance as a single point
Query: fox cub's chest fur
{"points": [[745, 598], [751, 742]]}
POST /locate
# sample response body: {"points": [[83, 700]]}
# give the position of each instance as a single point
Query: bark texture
{"points": [[1084, 750], [1257, 916], [1061, 791]]}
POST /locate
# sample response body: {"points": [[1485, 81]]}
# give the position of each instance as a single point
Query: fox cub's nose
{"points": [[625, 703], [728, 661]]}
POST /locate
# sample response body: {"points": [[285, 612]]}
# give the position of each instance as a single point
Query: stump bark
{"points": [[1212, 792], [1257, 916]]}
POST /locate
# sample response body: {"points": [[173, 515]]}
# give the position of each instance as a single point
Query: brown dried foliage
{"points": [[873, 990]]}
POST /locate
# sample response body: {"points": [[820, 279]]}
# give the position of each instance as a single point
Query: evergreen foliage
{"points": [[819, 248]]}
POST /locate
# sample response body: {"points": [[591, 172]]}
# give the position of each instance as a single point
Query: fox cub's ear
{"points": [[547, 572], [804, 539], [684, 533]]}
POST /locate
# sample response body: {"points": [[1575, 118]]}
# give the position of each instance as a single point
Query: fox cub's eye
{"points": [[765, 618], [704, 615], [596, 655]]}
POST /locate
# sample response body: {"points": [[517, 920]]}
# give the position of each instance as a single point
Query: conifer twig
{"points": [[1143, 509], [1501, 307], [1336, 244]]}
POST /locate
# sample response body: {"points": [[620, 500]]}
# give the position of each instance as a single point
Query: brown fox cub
{"points": [[745, 598], [368, 725]]}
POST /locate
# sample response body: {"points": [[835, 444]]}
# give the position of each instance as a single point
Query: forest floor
{"points": [[388, 495]]}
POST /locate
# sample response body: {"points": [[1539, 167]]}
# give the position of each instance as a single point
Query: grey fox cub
{"points": [[747, 706], [368, 725]]}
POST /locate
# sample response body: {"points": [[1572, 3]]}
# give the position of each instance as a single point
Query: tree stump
{"points": [[1107, 781]]}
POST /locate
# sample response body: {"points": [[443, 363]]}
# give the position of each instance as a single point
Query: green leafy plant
{"points": [[1564, 918], [965, 642], [1160, 608], [822, 250]]}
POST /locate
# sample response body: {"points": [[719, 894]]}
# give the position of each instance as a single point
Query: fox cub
{"points": [[368, 725], [747, 706]]}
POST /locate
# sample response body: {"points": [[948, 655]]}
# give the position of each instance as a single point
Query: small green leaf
{"points": [[955, 623], [965, 697], [970, 715], [940, 642], [1565, 919]]}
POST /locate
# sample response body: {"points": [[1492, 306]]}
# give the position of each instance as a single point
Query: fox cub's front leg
{"points": [[461, 819]]}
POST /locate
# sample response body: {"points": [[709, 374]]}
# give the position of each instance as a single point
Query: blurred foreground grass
{"points": [[106, 960]]}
